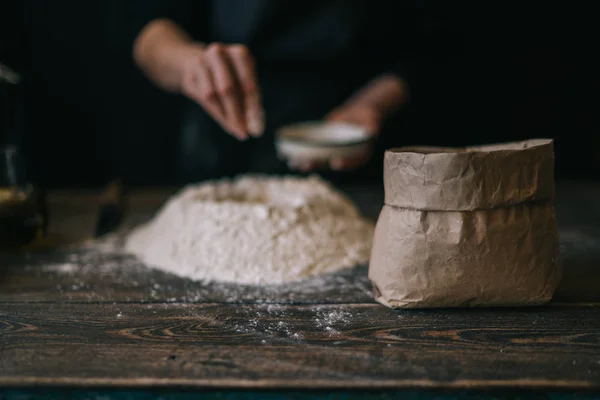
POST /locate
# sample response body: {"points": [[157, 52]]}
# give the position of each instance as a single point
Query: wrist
{"points": [[383, 95]]}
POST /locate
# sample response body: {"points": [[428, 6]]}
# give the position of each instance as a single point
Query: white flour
{"points": [[255, 230]]}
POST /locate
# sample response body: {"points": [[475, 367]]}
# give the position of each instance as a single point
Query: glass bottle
{"points": [[23, 214]]}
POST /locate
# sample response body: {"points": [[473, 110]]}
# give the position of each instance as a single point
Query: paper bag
{"points": [[468, 227]]}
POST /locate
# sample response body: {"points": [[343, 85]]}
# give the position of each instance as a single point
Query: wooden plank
{"points": [[91, 275], [349, 346], [73, 213], [88, 274]]}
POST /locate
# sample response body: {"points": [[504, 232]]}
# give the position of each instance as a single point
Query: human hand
{"points": [[367, 108], [360, 114], [364, 115], [222, 79]]}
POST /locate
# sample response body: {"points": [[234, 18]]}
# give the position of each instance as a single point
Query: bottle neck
{"points": [[10, 104]]}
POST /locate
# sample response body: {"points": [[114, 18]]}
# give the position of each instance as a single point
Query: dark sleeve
{"points": [[11, 35], [191, 15]]}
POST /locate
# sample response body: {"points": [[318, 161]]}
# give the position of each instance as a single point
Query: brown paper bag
{"points": [[468, 227]]}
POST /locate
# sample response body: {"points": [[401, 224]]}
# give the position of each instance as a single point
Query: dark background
{"points": [[505, 72]]}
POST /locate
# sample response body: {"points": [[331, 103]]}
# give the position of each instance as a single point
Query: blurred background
{"points": [[495, 71]]}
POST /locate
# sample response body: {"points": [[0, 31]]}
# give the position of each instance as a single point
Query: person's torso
{"points": [[311, 35]]}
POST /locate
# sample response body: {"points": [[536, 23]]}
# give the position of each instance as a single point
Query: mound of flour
{"points": [[254, 230]]}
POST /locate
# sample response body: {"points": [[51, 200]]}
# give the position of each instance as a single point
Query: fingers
{"points": [[336, 116], [199, 85], [227, 90], [244, 67], [208, 96], [336, 164], [223, 80], [303, 165], [350, 163], [344, 164]]}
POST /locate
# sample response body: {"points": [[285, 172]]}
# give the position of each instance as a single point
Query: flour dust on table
{"points": [[255, 230]]}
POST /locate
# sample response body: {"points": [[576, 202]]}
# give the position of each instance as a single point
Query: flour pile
{"points": [[255, 230]]}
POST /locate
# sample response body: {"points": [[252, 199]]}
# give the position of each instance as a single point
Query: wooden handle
{"points": [[113, 194]]}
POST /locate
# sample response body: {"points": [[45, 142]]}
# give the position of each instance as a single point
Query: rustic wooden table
{"points": [[89, 316]]}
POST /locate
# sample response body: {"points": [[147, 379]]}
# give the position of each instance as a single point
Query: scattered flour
{"points": [[332, 321], [254, 230], [62, 268], [270, 320], [275, 321], [335, 317]]}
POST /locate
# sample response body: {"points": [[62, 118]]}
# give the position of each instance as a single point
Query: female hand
{"points": [[222, 79], [363, 115], [367, 108]]}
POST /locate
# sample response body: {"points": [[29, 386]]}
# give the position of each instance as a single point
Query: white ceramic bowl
{"points": [[321, 141]]}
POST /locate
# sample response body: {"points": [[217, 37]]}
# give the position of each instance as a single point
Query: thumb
{"points": [[336, 115]]}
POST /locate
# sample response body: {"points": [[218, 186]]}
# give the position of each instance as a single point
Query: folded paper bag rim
{"points": [[469, 178], [485, 148]]}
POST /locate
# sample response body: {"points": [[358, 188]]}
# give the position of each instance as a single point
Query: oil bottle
{"points": [[23, 215]]}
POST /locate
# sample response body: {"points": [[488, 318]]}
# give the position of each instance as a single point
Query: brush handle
{"points": [[112, 205]]}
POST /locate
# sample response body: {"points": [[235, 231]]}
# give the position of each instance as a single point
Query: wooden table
{"points": [[81, 317]]}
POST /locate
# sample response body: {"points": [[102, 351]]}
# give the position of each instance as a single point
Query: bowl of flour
{"points": [[254, 230], [320, 142]]}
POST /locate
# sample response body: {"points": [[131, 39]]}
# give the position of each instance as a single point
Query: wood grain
{"points": [[82, 275], [360, 345], [85, 277], [80, 317], [117, 278]]}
